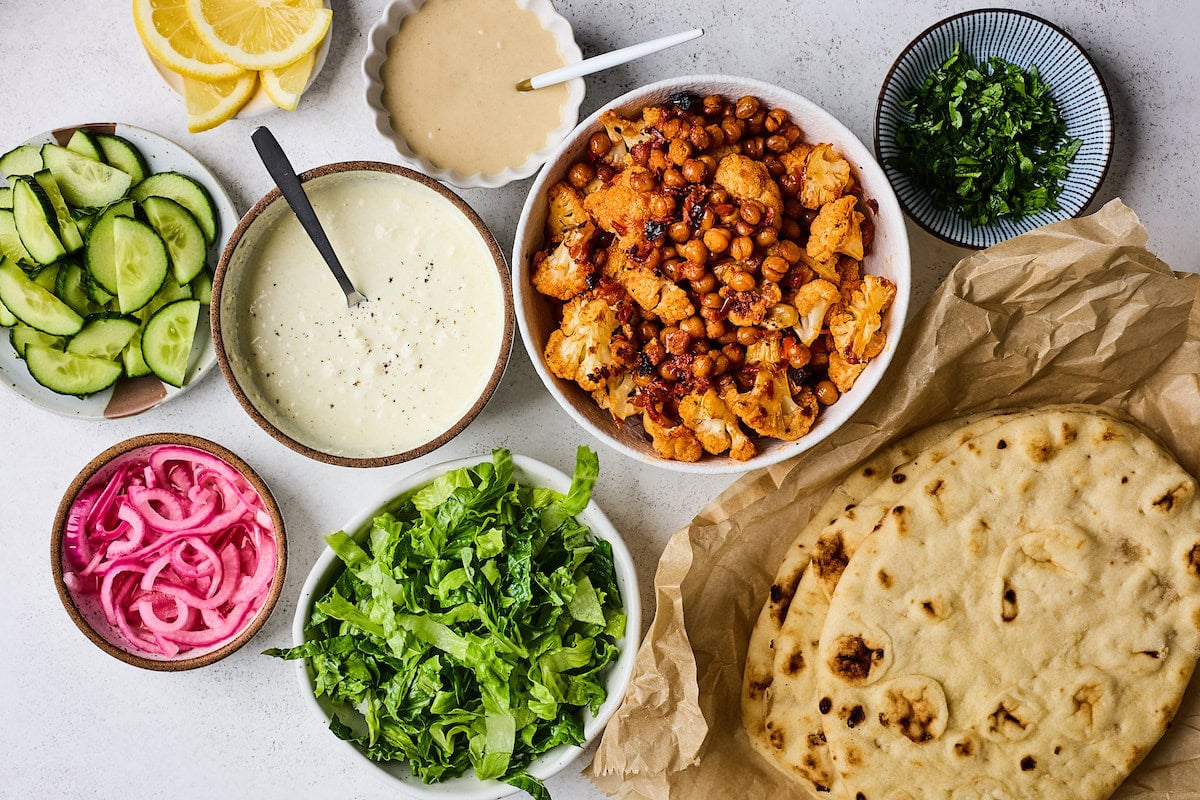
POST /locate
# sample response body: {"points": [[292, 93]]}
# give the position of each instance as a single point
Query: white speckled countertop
{"points": [[77, 723]]}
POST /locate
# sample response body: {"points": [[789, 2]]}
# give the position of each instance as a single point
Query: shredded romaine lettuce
{"points": [[471, 626]]}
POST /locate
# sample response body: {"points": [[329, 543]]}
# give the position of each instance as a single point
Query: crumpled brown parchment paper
{"points": [[1078, 311]]}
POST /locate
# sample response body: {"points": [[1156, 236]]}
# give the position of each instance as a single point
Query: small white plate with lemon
{"points": [[235, 58]]}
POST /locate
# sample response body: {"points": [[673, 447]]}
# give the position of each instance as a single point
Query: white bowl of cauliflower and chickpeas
{"points": [[712, 274]]}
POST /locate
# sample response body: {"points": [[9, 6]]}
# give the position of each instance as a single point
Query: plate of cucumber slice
{"points": [[108, 237]]}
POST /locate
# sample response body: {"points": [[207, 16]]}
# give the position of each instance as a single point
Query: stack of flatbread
{"points": [[997, 608]]}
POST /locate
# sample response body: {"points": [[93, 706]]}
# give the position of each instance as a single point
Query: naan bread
{"points": [[1022, 624], [760, 655], [792, 722]]}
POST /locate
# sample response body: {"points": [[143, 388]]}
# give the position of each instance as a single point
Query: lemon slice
{"points": [[262, 34], [209, 103], [284, 86], [167, 32]]}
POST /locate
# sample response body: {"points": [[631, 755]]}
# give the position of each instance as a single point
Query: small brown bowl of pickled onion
{"points": [[168, 551]]}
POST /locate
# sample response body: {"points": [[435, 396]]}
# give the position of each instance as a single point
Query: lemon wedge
{"points": [[209, 103], [284, 86], [167, 32], [260, 34]]}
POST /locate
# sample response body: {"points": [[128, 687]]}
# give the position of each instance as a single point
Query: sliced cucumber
{"points": [[46, 277], [85, 144], [104, 335], [140, 257], [178, 228], [100, 252], [131, 357], [85, 182], [124, 156], [6, 197], [68, 232], [96, 291], [185, 191], [202, 287], [23, 160], [34, 305], [169, 293], [167, 340], [68, 373], [36, 221], [10, 242], [70, 287], [83, 220], [7, 320], [22, 336]]}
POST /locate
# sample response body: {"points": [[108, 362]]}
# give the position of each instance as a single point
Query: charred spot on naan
{"points": [[793, 663], [758, 685], [1005, 723], [915, 707], [1131, 551], [1028, 763], [1039, 450], [1172, 498], [854, 659], [885, 579], [781, 594], [1192, 562], [829, 559], [964, 747], [1008, 602]]}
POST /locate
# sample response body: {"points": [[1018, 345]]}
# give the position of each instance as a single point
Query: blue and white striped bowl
{"points": [[1023, 39]]}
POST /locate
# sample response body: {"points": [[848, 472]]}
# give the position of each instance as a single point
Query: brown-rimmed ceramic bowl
{"points": [[226, 283], [91, 621]]}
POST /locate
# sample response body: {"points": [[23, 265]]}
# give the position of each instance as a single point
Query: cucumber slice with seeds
{"points": [[122, 154], [34, 305], [22, 336], [7, 320], [184, 239], [36, 221], [68, 232], [10, 241], [104, 335], [100, 251], [70, 287], [202, 287], [185, 191], [69, 373], [85, 144], [23, 160], [167, 340], [140, 257], [46, 277], [85, 182], [131, 357]]}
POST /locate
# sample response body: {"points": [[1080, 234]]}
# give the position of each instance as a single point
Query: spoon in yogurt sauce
{"points": [[277, 164]]}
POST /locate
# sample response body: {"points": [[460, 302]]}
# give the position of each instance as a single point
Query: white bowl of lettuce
{"points": [[468, 635]]}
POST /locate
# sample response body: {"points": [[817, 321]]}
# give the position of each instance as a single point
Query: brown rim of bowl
{"points": [[501, 360], [887, 79], [104, 459]]}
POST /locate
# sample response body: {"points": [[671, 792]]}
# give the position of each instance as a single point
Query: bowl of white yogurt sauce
{"points": [[393, 378]]}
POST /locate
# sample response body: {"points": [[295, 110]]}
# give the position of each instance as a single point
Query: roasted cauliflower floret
{"points": [[767, 351], [588, 348], [652, 292], [618, 208], [812, 302], [842, 372], [565, 272], [854, 324], [624, 134], [747, 179], [749, 308], [617, 397], [565, 211], [715, 425], [837, 229], [826, 177], [795, 160], [673, 441], [769, 409]]}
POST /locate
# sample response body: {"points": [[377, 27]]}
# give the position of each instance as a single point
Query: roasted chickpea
{"points": [[752, 211], [777, 143], [776, 119], [727, 212], [703, 366], [642, 182], [741, 281], [766, 237], [668, 371], [599, 144], [716, 136], [581, 174], [671, 268], [733, 130], [774, 166], [790, 185], [791, 132], [699, 138], [704, 284], [691, 270], [718, 196], [655, 352], [707, 220], [790, 229], [715, 328], [714, 104], [721, 364], [679, 151], [743, 229], [695, 170], [746, 107], [647, 330], [735, 353], [679, 232], [696, 254], [774, 268], [788, 250], [670, 128], [640, 153], [710, 163], [662, 206], [605, 173], [758, 123], [819, 360], [653, 259], [748, 335], [712, 300], [797, 353], [673, 179], [753, 146], [717, 239], [693, 326], [677, 342], [792, 207], [827, 393], [741, 248]]}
